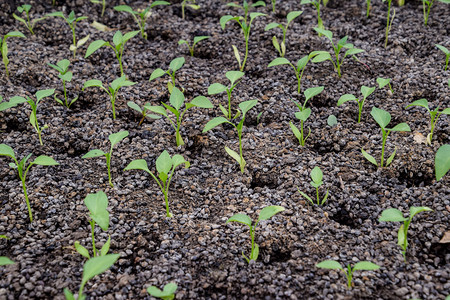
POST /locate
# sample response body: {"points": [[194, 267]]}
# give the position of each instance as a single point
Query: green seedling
{"points": [[112, 89], [265, 214], [114, 138], [389, 21], [91, 268], [447, 54], [2, 236], [140, 16], [321, 56], [29, 24], [244, 107], [165, 166], [382, 82], [368, 8], [176, 100], [143, 111], [102, 2], [72, 21], [118, 45], [97, 204], [174, 66], [22, 169], [218, 88], [4, 261], [304, 114], [434, 115], [65, 75], [383, 118], [188, 3], [394, 215], [298, 69], [332, 120], [316, 176], [426, 4], [365, 91], [196, 40], [274, 2], [348, 271], [316, 4], [34, 105], [245, 26], [442, 161], [4, 47], [281, 48], [168, 292]]}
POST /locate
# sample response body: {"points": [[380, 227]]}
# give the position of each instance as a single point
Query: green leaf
{"points": [[353, 51], [44, 93], [105, 247], [292, 15], [94, 153], [97, 204], [5, 261], [295, 131], [7, 151], [316, 175], [121, 82], [83, 41], [213, 123], [442, 48], [421, 102], [134, 106], [365, 265], [366, 91], [414, 210], [240, 218], [177, 63], [382, 82], [177, 160], [254, 15], [44, 160], [247, 105], [271, 26], [98, 265], [446, 111], [118, 38], [441, 161], [234, 155], [14, 34], [68, 294], [157, 73], [401, 127], [156, 109], [304, 114], [124, 8], [63, 65], [279, 61], [321, 57], [259, 3], [233, 76], [94, 46], [129, 35], [180, 42], [91, 83], [82, 250], [138, 164], [164, 163], [176, 98], [391, 157], [66, 77], [216, 88], [14, 101], [324, 32], [382, 117], [166, 294], [306, 196], [224, 20], [392, 215], [255, 253], [311, 92], [269, 211], [301, 63], [401, 238], [114, 138], [329, 264], [200, 38], [345, 98], [156, 3], [332, 120], [202, 102], [369, 157]]}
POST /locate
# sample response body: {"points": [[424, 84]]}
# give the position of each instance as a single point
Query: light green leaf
{"points": [[316, 175], [156, 109], [157, 73], [366, 91], [44, 93], [224, 20], [369, 157], [324, 32], [83, 41], [233, 76], [365, 265], [254, 15], [166, 294], [234, 155], [68, 294], [164, 163], [177, 160], [401, 239], [247, 105], [442, 48], [391, 157], [311, 92], [353, 51], [254, 255], [345, 98], [401, 127], [94, 153], [156, 3], [329, 264], [382, 117], [124, 8], [134, 106], [98, 265], [105, 247], [279, 61], [118, 38], [382, 82], [129, 35], [97, 204], [259, 3], [292, 15], [114, 138], [414, 210], [200, 38], [177, 63], [269, 211], [121, 82], [5, 261], [44, 160], [332, 120], [176, 98], [202, 102], [91, 83], [82, 250], [7, 151], [216, 88], [271, 26], [240, 218], [441, 161], [301, 63], [66, 77], [214, 122], [304, 114], [138, 164], [421, 102], [306, 196], [295, 131], [94, 46], [392, 215]]}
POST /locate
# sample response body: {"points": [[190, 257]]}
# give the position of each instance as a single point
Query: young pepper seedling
{"points": [[348, 271]]}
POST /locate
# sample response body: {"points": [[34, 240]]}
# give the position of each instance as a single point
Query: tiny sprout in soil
{"points": [[348, 271], [316, 176], [167, 293]]}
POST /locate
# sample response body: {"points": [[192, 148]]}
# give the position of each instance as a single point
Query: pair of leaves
{"points": [[334, 265], [119, 41], [41, 160], [290, 17], [196, 40], [85, 253], [383, 118], [365, 91], [395, 215], [174, 65], [265, 213], [166, 294], [114, 86], [233, 77]]}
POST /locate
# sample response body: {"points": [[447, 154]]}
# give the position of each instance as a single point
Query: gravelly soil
{"points": [[195, 248]]}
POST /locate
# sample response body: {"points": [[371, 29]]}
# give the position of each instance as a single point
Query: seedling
{"points": [[174, 66], [365, 91], [112, 89], [165, 166], [304, 114], [14, 101], [298, 69], [332, 120], [22, 169], [434, 115], [265, 214], [389, 21], [394, 215], [33, 117], [316, 176], [316, 4], [97, 204], [447, 54], [321, 56], [4, 47], [348, 271], [382, 82], [244, 107], [368, 8], [140, 16], [92, 267], [281, 48], [72, 22], [114, 138], [426, 4], [245, 26], [442, 161], [142, 110], [4, 261], [168, 292], [118, 45], [188, 3], [176, 101], [62, 67], [383, 118], [217, 88], [102, 2], [29, 24], [274, 2], [196, 40]]}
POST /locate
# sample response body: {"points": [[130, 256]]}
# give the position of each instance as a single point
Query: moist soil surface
{"points": [[195, 248]]}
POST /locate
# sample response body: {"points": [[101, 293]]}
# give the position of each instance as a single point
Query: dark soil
{"points": [[195, 248]]}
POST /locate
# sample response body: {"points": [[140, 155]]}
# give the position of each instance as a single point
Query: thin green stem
{"points": [[317, 195], [368, 8], [387, 23], [74, 41], [246, 50], [65, 92], [382, 147], [113, 101], [93, 237], [80, 291], [166, 199], [103, 8], [360, 105], [229, 103], [301, 133], [252, 235], [182, 9], [240, 151], [108, 165], [30, 214]]}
